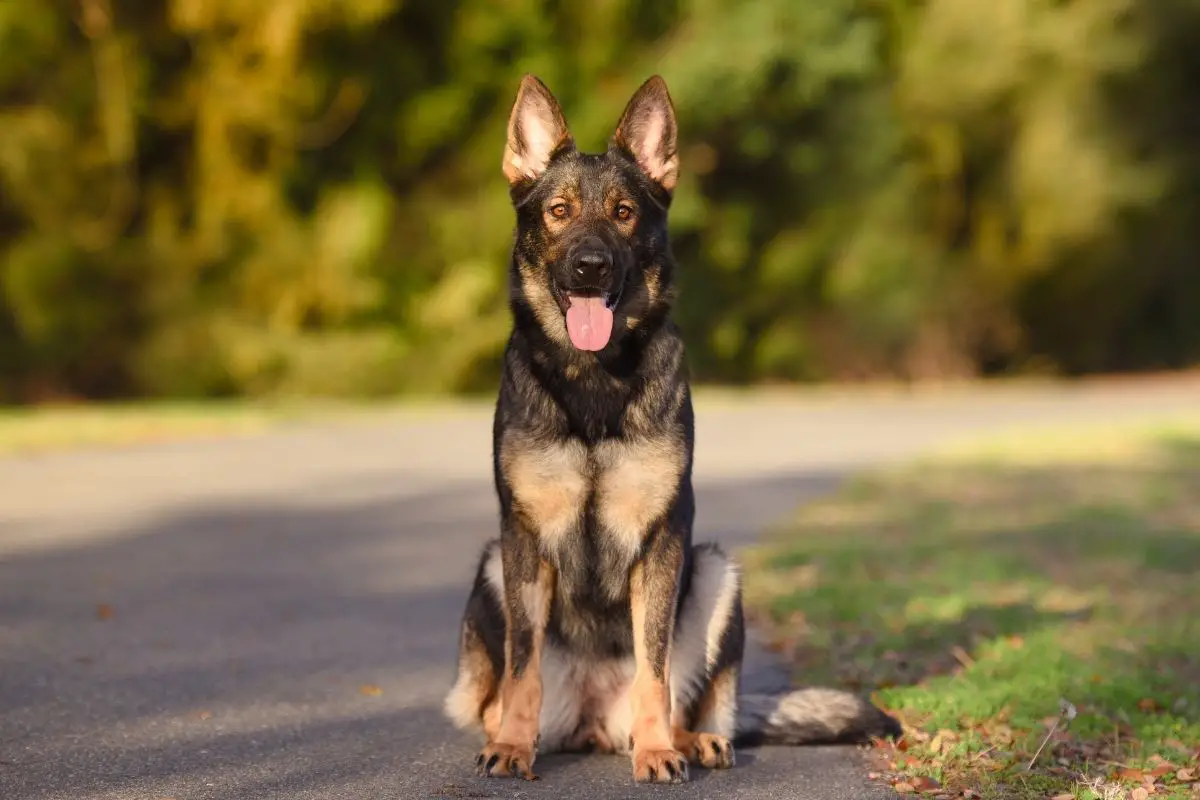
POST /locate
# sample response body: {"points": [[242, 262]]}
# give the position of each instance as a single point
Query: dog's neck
{"points": [[596, 390]]}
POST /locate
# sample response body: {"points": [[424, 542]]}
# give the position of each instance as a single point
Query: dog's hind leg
{"points": [[707, 659], [473, 703]]}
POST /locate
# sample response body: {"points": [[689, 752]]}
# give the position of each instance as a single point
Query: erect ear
{"points": [[647, 132], [536, 129]]}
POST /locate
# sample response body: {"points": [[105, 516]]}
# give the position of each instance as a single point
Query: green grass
{"points": [[29, 430], [974, 590], [36, 430], [26, 431]]}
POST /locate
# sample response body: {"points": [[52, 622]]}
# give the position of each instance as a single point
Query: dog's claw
{"points": [[506, 761], [659, 766]]}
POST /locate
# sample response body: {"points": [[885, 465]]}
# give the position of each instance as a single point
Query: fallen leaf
{"points": [[924, 783], [971, 794], [904, 788], [1162, 769], [1131, 774], [370, 690], [1186, 775], [1139, 793], [104, 611], [1063, 796], [1148, 704]]}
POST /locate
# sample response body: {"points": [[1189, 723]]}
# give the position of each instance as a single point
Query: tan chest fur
{"points": [[633, 483]]}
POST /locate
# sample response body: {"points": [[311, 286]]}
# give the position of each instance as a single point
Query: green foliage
{"points": [[207, 197]]}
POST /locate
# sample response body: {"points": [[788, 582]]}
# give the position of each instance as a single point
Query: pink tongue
{"points": [[589, 322]]}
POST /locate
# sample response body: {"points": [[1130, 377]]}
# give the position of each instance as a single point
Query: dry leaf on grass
{"points": [[923, 783], [1140, 793]]}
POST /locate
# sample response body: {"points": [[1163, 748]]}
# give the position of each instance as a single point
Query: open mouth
{"points": [[589, 317]]}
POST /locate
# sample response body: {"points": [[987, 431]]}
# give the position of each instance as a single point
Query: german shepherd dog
{"points": [[594, 623]]}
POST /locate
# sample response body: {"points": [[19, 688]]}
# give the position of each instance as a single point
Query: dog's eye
{"points": [[558, 210], [624, 212]]}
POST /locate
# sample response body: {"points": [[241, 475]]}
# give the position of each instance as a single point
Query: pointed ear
{"points": [[647, 132], [536, 129]]}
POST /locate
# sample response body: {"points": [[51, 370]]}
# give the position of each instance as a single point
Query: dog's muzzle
{"points": [[588, 292]]}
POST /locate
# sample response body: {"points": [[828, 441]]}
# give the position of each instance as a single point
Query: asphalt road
{"points": [[199, 620]]}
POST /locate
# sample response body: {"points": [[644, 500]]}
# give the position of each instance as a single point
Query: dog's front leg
{"points": [[528, 586], [653, 588]]}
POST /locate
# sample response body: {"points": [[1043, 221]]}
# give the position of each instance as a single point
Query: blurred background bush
{"points": [[304, 197]]}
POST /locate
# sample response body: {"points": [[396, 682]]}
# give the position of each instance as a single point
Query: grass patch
{"points": [[30, 430], [977, 590], [37, 430]]}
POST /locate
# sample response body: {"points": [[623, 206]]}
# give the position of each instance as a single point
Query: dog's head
{"points": [[592, 261]]}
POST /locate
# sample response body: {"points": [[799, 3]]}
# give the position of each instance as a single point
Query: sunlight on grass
{"points": [[975, 589], [38, 430], [49, 428]]}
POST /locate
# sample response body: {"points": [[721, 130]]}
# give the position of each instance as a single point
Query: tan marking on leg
{"points": [[706, 749], [655, 760], [717, 712], [491, 720], [709, 742], [521, 697], [475, 686], [510, 753]]}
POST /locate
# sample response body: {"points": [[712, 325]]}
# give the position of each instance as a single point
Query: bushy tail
{"points": [[810, 716]]}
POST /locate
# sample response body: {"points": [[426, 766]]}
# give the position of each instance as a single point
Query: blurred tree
{"points": [[210, 197]]}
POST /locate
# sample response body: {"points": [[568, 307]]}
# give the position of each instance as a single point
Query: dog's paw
{"points": [[506, 761], [659, 766], [710, 751]]}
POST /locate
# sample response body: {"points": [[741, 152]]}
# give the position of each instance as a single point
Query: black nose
{"points": [[592, 265]]}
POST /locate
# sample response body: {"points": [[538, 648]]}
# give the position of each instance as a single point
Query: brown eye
{"points": [[624, 212], [558, 210]]}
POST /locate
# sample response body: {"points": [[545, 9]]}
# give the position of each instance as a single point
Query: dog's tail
{"points": [[810, 716]]}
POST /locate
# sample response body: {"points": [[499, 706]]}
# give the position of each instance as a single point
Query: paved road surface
{"points": [[252, 586]]}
